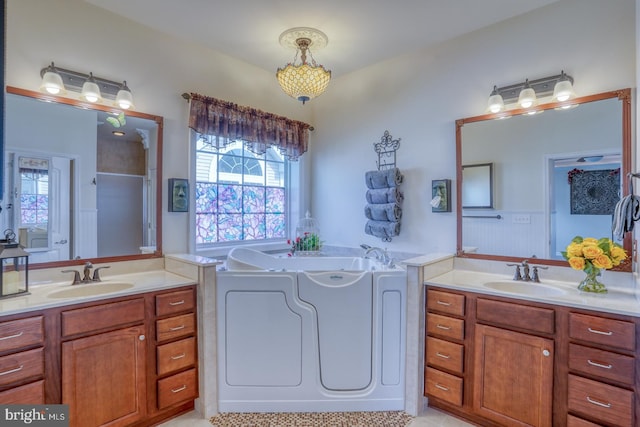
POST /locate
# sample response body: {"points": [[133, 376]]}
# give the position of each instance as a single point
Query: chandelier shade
{"points": [[304, 80]]}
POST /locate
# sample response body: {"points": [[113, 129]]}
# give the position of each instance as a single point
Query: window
{"points": [[34, 192], [239, 195]]}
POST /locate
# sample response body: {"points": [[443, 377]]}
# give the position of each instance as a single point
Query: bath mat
{"points": [[313, 419]]}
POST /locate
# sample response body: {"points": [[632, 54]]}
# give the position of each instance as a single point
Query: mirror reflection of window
{"points": [[33, 191]]}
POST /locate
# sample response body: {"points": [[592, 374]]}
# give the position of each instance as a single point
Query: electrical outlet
{"points": [[521, 219]]}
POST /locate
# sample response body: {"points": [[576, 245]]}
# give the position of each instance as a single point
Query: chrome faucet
{"points": [[381, 255]]}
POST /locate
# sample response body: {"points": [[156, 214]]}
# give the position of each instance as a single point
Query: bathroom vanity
{"points": [[498, 359], [123, 358]]}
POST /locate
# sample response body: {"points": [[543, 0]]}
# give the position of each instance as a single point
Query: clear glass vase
{"points": [[592, 284]]}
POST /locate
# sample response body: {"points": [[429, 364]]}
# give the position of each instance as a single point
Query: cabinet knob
{"points": [[141, 337], [546, 353]]}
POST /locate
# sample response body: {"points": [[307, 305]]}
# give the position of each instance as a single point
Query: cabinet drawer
{"points": [[445, 354], [28, 394], [600, 330], [19, 366], [21, 333], [445, 302], [602, 363], [443, 386], [175, 327], [579, 422], [174, 302], [177, 388], [600, 401], [176, 355], [513, 315], [445, 326], [103, 316]]}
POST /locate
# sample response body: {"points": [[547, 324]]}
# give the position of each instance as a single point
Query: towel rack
{"points": [[386, 150], [483, 216]]}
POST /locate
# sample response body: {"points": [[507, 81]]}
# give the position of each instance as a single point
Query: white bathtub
{"points": [[331, 338]]}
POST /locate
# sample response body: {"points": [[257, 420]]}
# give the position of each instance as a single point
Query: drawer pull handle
{"points": [[446, 328], [177, 302], [177, 328], [443, 303], [444, 356], [19, 334], [595, 331], [11, 371], [179, 356], [441, 387], [179, 389], [599, 365], [595, 402]]}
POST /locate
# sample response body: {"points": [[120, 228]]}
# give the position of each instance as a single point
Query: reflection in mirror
{"points": [[477, 186], [81, 183], [557, 174]]}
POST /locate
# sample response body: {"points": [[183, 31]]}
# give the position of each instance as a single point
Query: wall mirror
{"points": [[556, 174], [477, 186], [82, 181]]}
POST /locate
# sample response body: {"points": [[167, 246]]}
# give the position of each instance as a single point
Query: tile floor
{"points": [[431, 418]]}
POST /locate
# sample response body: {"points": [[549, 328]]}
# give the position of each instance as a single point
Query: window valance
{"points": [[226, 122]]}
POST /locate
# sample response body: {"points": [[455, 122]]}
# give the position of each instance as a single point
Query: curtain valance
{"points": [[227, 122]]}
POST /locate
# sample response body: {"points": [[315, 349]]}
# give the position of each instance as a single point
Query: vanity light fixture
{"points": [[527, 94], [57, 81]]}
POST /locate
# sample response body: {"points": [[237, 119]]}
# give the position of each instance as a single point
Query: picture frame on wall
{"points": [[178, 195], [441, 195]]}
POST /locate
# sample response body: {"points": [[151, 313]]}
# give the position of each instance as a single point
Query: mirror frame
{"points": [[624, 96], [158, 205]]}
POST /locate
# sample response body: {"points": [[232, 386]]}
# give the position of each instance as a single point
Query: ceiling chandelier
{"points": [[305, 80]]}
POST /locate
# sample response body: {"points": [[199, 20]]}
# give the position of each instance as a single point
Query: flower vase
{"points": [[592, 284]]}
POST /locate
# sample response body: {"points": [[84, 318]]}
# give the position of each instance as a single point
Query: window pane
{"points": [[253, 199], [275, 174], [206, 228], [206, 197], [275, 200], [229, 227], [276, 226], [230, 198], [254, 226]]}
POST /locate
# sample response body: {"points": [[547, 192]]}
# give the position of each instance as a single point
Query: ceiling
{"points": [[360, 32]]}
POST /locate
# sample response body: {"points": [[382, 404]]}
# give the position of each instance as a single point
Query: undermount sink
{"points": [[524, 288], [90, 289]]}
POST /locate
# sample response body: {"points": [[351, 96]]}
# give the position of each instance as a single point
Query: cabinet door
{"points": [[103, 378], [513, 377]]}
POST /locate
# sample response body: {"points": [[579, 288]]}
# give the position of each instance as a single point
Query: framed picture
{"points": [[594, 192], [178, 195], [441, 195]]}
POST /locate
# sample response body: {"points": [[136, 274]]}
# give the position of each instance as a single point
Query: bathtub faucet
{"points": [[381, 255]]}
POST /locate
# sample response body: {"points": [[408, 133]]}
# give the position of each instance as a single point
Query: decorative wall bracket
{"points": [[386, 150]]}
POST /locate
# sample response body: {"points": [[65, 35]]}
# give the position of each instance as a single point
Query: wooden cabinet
{"points": [[513, 377], [445, 347], [125, 361], [602, 369], [176, 351], [103, 378], [499, 361], [22, 367]]}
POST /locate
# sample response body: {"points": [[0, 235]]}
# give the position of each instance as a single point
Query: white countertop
{"points": [[38, 297], [618, 300]]}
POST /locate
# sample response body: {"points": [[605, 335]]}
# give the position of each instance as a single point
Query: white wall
{"points": [[158, 69], [418, 97]]}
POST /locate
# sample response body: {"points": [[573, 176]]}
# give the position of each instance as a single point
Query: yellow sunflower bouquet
{"points": [[591, 256]]}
